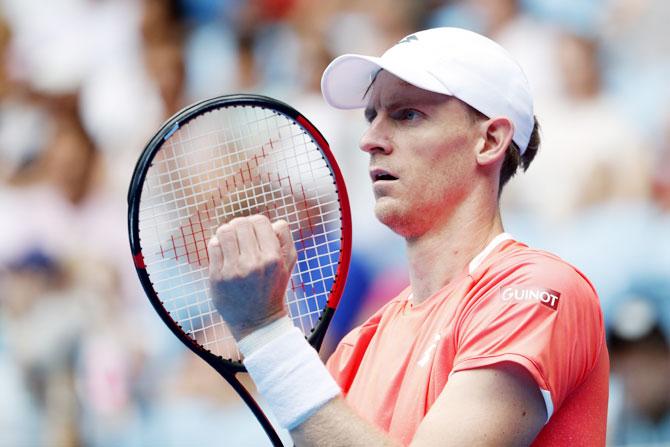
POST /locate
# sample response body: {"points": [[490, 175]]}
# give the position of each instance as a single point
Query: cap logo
{"points": [[408, 39]]}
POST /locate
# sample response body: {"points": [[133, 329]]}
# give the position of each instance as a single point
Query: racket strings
{"points": [[204, 176]]}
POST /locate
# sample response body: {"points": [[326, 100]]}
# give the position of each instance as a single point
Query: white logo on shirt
{"points": [[547, 297], [428, 353]]}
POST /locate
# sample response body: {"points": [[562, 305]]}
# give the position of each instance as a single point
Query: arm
{"points": [[336, 424], [497, 405]]}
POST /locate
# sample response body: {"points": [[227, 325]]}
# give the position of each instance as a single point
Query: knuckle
{"points": [[280, 225], [259, 218], [245, 226], [223, 230], [238, 222]]}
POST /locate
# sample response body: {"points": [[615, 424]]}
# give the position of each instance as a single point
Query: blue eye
{"points": [[409, 114]]}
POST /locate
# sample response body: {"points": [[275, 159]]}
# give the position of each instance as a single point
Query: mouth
{"points": [[381, 175]]}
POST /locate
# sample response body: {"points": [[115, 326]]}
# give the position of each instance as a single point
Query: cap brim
{"points": [[346, 79]]}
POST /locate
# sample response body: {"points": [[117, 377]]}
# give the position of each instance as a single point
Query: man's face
{"points": [[422, 155]]}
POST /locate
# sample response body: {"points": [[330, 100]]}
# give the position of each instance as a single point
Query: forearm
{"points": [[336, 424], [301, 392]]}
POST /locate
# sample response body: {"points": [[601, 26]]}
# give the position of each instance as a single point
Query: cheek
{"points": [[447, 163], [452, 150]]}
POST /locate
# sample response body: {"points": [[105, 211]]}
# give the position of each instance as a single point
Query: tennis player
{"points": [[493, 343]]}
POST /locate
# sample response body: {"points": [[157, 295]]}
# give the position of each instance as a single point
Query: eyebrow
{"points": [[398, 102]]}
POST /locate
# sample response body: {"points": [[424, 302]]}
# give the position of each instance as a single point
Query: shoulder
{"points": [[535, 285], [533, 269], [533, 308]]}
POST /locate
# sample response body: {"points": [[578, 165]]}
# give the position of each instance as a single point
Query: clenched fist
{"points": [[251, 260]]}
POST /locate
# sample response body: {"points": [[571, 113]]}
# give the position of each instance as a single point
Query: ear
{"points": [[497, 135]]}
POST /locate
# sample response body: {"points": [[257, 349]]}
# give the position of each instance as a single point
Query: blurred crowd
{"points": [[84, 360]]}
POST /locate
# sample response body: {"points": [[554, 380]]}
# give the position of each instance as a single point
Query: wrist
{"points": [[242, 330], [257, 337], [287, 372]]}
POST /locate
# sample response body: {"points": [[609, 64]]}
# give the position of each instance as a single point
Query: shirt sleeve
{"points": [[545, 317]]}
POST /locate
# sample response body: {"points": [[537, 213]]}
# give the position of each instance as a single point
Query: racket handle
{"points": [[254, 407]]}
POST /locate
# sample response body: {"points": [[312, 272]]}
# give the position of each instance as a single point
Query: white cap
{"points": [[450, 61]]}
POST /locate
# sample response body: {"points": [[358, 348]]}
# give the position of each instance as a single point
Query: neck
{"points": [[439, 255]]}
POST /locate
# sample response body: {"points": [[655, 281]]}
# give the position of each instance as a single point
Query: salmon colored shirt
{"points": [[512, 304]]}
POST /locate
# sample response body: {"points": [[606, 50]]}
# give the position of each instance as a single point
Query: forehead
{"points": [[387, 88]]}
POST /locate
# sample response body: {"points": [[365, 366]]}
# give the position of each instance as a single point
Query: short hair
{"points": [[513, 158]]}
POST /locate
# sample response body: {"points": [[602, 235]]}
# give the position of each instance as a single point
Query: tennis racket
{"points": [[223, 158]]}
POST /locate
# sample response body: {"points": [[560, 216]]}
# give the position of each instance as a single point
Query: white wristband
{"points": [[264, 335], [288, 373]]}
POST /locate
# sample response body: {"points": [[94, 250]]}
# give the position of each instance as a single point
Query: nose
{"points": [[376, 139]]}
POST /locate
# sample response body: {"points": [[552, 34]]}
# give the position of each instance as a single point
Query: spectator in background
{"points": [[163, 33], [22, 124], [165, 65], [70, 162], [126, 96], [65, 251], [639, 344], [61, 186], [635, 34], [593, 153], [161, 21], [36, 288]]}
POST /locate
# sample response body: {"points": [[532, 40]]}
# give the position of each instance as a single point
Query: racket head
{"points": [[328, 226]]}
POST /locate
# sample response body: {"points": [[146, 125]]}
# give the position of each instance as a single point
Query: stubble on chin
{"points": [[408, 221], [393, 217]]}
